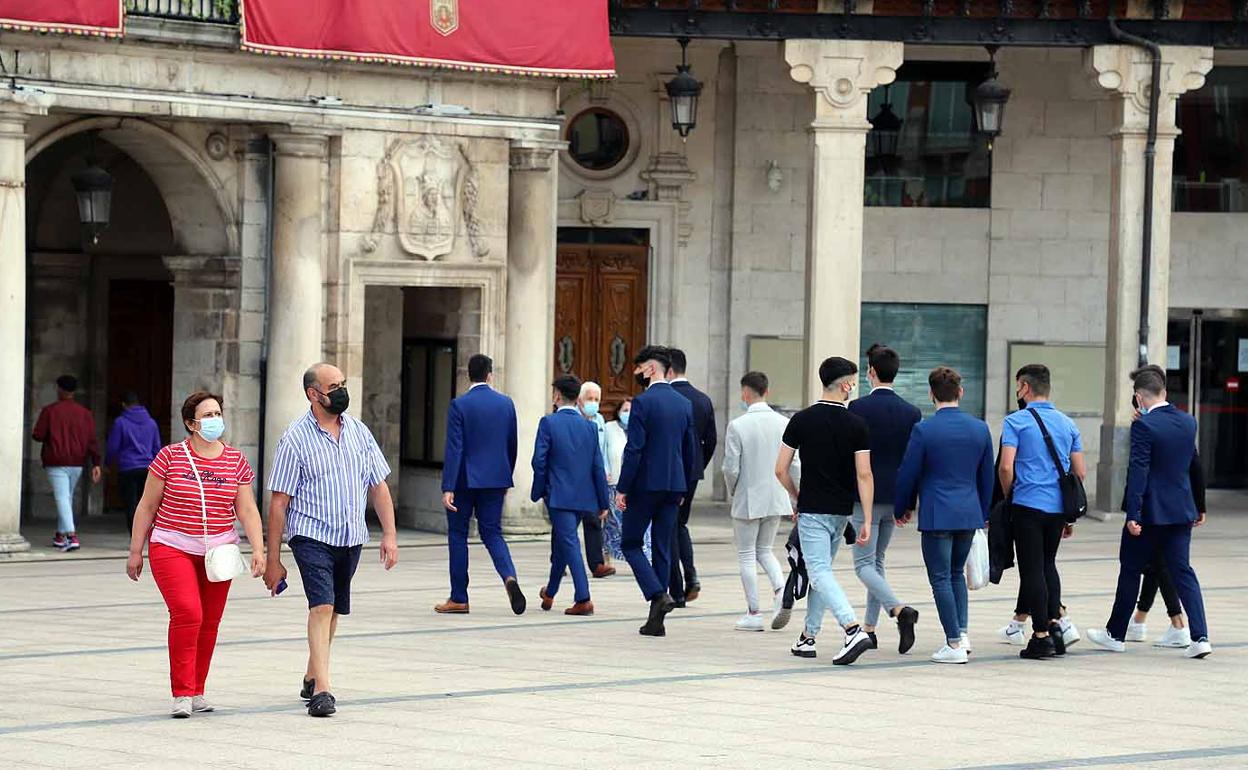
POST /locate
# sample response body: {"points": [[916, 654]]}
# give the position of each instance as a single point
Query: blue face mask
{"points": [[624, 418], [590, 408], [745, 407], [211, 428]]}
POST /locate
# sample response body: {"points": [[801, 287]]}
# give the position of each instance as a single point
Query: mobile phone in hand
{"points": [[280, 587], [1135, 402]]}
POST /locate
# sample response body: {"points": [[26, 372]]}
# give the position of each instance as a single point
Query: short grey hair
{"points": [[589, 385], [312, 374]]}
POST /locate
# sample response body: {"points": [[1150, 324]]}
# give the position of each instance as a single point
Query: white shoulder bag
{"points": [[225, 562]]}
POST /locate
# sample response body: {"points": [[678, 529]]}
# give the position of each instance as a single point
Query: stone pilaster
{"points": [[529, 355], [16, 107], [1126, 72], [296, 296], [841, 73]]}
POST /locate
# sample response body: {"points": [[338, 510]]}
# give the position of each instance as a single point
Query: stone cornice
{"points": [[204, 272]]}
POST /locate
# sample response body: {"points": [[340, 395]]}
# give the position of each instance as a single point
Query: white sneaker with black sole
{"points": [[1070, 634], [181, 707], [1199, 649], [1175, 637], [947, 654], [804, 647], [1136, 632], [1015, 633], [855, 644]]}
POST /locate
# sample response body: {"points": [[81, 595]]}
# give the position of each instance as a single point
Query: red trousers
{"points": [[195, 606]]}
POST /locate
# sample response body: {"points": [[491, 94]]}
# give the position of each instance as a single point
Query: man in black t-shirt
{"points": [[836, 460]]}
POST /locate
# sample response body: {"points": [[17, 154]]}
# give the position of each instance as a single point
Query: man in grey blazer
{"points": [[758, 499]]}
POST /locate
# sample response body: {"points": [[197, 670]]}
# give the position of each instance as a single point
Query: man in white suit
{"points": [[758, 499]]}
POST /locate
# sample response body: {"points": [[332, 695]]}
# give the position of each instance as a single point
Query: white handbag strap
{"points": [[203, 501]]}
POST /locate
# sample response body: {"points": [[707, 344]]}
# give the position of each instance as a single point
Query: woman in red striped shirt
{"points": [[185, 516]]}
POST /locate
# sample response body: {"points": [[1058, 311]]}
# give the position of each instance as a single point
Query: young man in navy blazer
{"points": [[568, 475], [1160, 512], [685, 587], [476, 474], [659, 459]]}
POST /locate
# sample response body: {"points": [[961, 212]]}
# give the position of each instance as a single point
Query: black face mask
{"points": [[1022, 404], [339, 400], [642, 380]]}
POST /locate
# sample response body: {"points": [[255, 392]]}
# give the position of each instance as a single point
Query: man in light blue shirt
{"points": [[1030, 481]]}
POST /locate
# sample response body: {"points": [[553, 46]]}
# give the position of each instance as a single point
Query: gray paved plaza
{"points": [[85, 679]]}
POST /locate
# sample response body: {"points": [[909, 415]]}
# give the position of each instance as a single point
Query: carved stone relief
{"points": [[425, 187], [597, 207]]}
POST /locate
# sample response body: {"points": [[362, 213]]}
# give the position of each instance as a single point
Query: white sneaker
{"points": [[200, 705], [1175, 637], [855, 644], [181, 708], [1199, 649], [947, 654], [1070, 634], [1015, 633], [804, 647], [750, 622], [966, 644], [1137, 632], [779, 615], [1101, 638]]}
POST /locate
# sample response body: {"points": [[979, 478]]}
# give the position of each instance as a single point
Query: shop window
{"points": [[428, 387], [598, 139], [1211, 153], [935, 158], [927, 336]]}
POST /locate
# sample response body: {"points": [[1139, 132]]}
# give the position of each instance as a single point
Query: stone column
{"points": [[842, 74], [1126, 71], [296, 295], [15, 108], [532, 220]]}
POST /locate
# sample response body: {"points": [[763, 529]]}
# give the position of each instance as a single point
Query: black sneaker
{"points": [[1038, 649], [1055, 636], [875, 643], [515, 596], [309, 689], [321, 705], [906, 618]]}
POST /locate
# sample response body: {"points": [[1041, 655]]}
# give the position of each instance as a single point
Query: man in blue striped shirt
{"points": [[327, 468]]}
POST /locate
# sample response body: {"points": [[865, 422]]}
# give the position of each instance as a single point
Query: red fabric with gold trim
{"points": [[569, 38], [77, 17]]}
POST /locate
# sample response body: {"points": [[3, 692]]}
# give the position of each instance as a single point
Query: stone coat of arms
{"points": [[425, 185]]}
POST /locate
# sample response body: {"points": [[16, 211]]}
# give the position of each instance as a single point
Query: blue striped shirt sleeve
{"points": [[378, 468], [284, 477]]}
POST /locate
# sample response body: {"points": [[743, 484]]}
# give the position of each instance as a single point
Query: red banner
{"points": [[563, 38], [79, 17]]}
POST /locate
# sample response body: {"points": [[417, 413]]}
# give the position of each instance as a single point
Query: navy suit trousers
{"points": [[682, 550], [565, 553], [656, 510], [487, 506], [1135, 554]]}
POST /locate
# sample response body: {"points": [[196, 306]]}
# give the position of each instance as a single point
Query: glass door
{"points": [[1207, 370]]}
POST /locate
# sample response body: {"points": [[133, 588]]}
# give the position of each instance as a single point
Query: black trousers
{"points": [[682, 550], [130, 484], [1037, 536], [592, 527], [1157, 577]]}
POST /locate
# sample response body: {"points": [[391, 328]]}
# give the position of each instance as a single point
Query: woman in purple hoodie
{"points": [[132, 444]]}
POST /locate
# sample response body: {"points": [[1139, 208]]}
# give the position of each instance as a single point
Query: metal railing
{"points": [[210, 11]]}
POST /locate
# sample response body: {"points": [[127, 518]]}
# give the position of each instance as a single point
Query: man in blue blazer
{"points": [[568, 474], [948, 466], [686, 587], [1161, 512], [476, 474], [659, 459]]}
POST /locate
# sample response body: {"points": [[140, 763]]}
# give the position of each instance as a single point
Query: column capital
{"points": [[300, 145], [20, 103], [204, 272], [842, 73], [1127, 70], [534, 155]]}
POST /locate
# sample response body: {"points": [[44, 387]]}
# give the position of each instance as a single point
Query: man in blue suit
{"points": [[659, 459], [568, 474], [686, 587], [948, 466], [1160, 512], [476, 474]]}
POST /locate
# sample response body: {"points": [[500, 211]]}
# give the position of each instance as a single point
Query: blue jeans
{"points": [[869, 564], [487, 506], [64, 481], [821, 534], [566, 553], [944, 553], [656, 510]]}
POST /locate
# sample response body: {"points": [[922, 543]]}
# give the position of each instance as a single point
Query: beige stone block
{"points": [[917, 255], [1088, 225], [878, 254], [1017, 191], [1038, 224], [965, 256], [1068, 192], [1090, 155], [1066, 258], [1067, 118], [1016, 257]]}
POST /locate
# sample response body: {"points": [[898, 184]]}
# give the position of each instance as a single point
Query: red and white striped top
{"points": [[180, 509]]}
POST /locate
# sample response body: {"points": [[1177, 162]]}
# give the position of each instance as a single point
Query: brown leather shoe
{"points": [[449, 607], [603, 570], [547, 602], [692, 593], [580, 608]]}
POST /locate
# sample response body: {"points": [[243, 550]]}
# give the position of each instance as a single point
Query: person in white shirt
{"points": [[758, 500], [616, 435]]}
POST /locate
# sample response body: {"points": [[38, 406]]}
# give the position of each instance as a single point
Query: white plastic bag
{"points": [[977, 562]]}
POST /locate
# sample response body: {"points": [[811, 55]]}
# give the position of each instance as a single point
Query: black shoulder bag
{"points": [[1074, 498]]}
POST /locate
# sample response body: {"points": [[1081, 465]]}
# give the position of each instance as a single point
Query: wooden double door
{"points": [[600, 315]]}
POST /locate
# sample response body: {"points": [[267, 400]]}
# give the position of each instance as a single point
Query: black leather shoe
{"points": [[659, 607], [906, 618], [516, 597], [1055, 636], [309, 687], [1038, 649], [322, 705]]}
